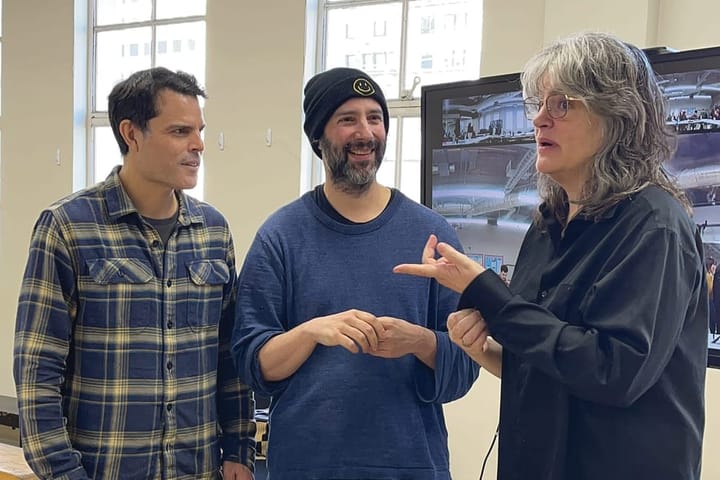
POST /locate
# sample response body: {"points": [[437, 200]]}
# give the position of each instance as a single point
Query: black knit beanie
{"points": [[326, 91]]}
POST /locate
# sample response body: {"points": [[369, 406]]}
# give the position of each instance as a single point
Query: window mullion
{"points": [[153, 44], [429, 40], [98, 138], [398, 151], [149, 23], [403, 48]]}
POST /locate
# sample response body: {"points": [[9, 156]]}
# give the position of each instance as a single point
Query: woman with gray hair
{"points": [[601, 341]]}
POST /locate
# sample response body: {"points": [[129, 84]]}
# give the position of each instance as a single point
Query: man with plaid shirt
{"points": [[122, 362]]}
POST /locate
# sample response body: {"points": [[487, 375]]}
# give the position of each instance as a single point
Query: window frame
{"points": [[99, 118], [398, 108], [406, 105]]}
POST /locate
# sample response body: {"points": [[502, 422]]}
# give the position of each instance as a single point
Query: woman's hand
{"points": [[468, 330], [453, 269]]}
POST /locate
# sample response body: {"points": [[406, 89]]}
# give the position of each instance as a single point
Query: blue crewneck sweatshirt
{"points": [[344, 415]]}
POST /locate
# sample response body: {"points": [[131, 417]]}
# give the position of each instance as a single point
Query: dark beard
{"points": [[352, 179]]}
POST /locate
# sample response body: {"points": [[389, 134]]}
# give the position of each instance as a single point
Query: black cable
{"points": [[487, 455]]}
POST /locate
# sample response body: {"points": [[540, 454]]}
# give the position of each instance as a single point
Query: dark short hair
{"points": [[504, 268], [135, 97]]}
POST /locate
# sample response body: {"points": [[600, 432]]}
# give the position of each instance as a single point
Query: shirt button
{"points": [[169, 407], [169, 283], [543, 294], [170, 324], [169, 365], [156, 244]]}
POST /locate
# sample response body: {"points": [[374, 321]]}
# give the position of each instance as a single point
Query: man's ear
{"points": [[129, 132]]}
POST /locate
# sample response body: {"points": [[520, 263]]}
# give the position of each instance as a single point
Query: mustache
{"points": [[360, 145]]}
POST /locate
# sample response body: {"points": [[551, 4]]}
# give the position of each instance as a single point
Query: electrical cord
{"points": [[487, 455]]}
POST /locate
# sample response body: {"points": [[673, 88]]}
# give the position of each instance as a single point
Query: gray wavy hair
{"points": [[616, 82]]}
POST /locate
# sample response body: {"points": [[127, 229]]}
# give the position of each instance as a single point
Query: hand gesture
{"points": [[453, 269], [469, 331], [354, 330], [236, 471], [401, 338]]}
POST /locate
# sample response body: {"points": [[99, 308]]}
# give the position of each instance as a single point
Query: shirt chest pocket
{"points": [[112, 282], [205, 291]]}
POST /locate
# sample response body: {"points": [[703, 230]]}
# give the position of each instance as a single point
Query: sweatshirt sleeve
{"points": [[455, 372], [258, 313], [632, 317]]}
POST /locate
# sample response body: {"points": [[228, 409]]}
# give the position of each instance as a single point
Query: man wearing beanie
{"points": [[357, 360]]}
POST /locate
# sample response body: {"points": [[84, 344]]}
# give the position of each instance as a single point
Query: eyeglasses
{"points": [[556, 106]]}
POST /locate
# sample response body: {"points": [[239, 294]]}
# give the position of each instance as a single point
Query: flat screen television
{"points": [[478, 156]]}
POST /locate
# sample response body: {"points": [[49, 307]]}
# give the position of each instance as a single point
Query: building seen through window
{"points": [[131, 35], [403, 45]]}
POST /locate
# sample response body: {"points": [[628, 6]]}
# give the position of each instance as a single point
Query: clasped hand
{"points": [[356, 331], [468, 330]]}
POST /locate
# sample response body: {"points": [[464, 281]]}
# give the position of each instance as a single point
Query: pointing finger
{"points": [[428, 255], [425, 270]]}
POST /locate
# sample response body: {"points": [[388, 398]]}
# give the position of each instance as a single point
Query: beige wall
{"points": [[254, 79], [36, 121]]}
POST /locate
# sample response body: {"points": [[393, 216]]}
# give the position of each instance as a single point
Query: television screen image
{"points": [[483, 165], [478, 155], [691, 86], [485, 120], [696, 167], [693, 100], [487, 184]]}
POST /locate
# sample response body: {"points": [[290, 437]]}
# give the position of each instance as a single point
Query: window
{"points": [[427, 25], [402, 52], [352, 61], [368, 62], [380, 60], [172, 34], [380, 28]]}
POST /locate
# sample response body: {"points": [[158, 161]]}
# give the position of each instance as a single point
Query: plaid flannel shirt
{"points": [[122, 362]]}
